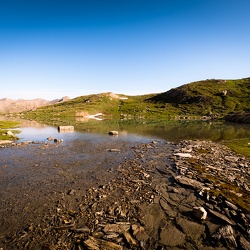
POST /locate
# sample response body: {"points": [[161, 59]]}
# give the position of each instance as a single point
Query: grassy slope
{"points": [[4, 127], [193, 99], [206, 97]]}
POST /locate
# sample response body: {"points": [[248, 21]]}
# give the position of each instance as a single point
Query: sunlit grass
{"points": [[5, 126], [240, 146]]}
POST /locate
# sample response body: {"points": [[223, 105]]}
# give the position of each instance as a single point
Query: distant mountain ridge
{"points": [[8, 106]]}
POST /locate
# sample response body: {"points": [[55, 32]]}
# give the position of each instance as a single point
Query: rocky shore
{"points": [[158, 195]]}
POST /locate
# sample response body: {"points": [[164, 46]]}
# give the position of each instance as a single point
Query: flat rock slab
{"points": [[221, 217], [184, 155], [191, 229], [189, 182], [171, 236]]}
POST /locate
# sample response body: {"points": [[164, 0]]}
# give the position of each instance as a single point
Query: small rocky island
{"points": [[158, 195]]}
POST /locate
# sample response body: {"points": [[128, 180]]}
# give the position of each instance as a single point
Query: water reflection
{"points": [[171, 131]]}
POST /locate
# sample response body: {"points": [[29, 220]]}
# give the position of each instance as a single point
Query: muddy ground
{"points": [[106, 195]]}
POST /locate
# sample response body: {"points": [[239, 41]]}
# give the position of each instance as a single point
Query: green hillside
{"points": [[209, 98]]}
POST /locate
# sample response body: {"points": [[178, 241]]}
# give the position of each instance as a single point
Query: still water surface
{"points": [[174, 131]]}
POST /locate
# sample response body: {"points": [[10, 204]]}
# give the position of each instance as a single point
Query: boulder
{"points": [[62, 129], [113, 132]]}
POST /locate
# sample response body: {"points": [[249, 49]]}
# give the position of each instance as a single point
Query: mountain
{"points": [[8, 106], [206, 99], [209, 97]]}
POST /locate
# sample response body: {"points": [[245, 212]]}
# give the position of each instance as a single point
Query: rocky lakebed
{"points": [[123, 195]]}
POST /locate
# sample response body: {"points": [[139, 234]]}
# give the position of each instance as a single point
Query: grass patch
{"points": [[6, 126], [240, 146]]}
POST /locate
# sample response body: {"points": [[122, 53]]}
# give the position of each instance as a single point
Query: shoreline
{"points": [[136, 198]]}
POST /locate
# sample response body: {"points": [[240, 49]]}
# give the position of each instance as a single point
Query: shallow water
{"points": [[136, 132]]}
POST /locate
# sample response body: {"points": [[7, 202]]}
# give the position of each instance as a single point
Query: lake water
{"points": [[172, 131]]}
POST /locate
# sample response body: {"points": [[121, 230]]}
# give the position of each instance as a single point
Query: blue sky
{"points": [[54, 48]]}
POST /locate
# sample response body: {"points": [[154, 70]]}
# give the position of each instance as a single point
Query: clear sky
{"points": [[55, 48]]}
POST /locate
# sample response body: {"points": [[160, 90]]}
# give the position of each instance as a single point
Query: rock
{"points": [[62, 129], [71, 192], [231, 158], [170, 236], [221, 217], [10, 133], [131, 241], [117, 228], [190, 228], [168, 210], [200, 213], [5, 142], [97, 244], [226, 233], [231, 205], [114, 150], [84, 229], [58, 140], [184, 155], [50, 138], [244, 244], [189, 182], [113, 132]]}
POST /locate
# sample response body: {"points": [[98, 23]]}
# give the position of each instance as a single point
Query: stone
{"points": [[131, 241], [170, 236], [221, 217], [168, 210], [226, 233], [62, 129], [184, 155], [113, 132], [84, 229], [190, 228], [114, 150], [189, 182], [200, 213], [97, 244], [10, 133], [244, 244], [231, 205], [117, 228]]}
